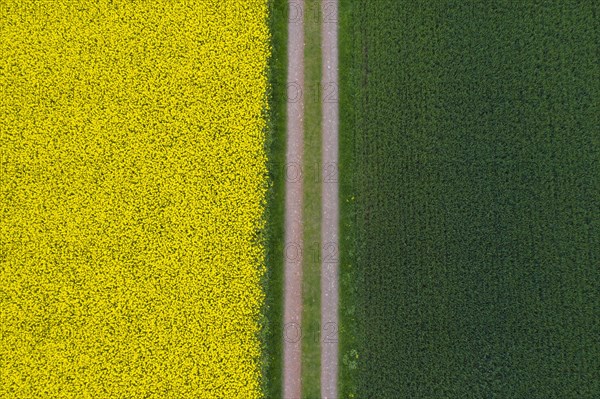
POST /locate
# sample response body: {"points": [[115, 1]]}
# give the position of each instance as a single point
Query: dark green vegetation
{"points": [[273, 282], [471, 142]]}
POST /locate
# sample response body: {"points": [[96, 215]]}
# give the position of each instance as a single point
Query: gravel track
{"points": [[292, 344], [330, 201], [292, 372]]}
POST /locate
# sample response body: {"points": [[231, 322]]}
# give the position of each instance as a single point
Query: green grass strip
{"points": [[311, 317], [273, 284]]}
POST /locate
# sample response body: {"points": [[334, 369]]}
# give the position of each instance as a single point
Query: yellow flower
{"points": [[132, 185]]}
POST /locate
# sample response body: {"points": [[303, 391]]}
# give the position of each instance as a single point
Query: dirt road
{"points": [[292, 344], [292, 383], [330, 204]]}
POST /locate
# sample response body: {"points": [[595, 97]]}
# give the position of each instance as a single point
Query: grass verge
{"points": [[311, 312], [276, 143], [349, 84]]}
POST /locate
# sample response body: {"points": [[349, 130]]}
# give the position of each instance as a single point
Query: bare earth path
{"points": [[292, 312], [293, 260], [330, 204]]}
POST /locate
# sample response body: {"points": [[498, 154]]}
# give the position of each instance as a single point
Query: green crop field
{"points": [[471, 166]]}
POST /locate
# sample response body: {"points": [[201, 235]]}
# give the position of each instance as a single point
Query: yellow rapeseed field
{"points": [[132, 186]]}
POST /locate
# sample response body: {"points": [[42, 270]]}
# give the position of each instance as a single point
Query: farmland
{"points": [[133, 181], [470, 167]]}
